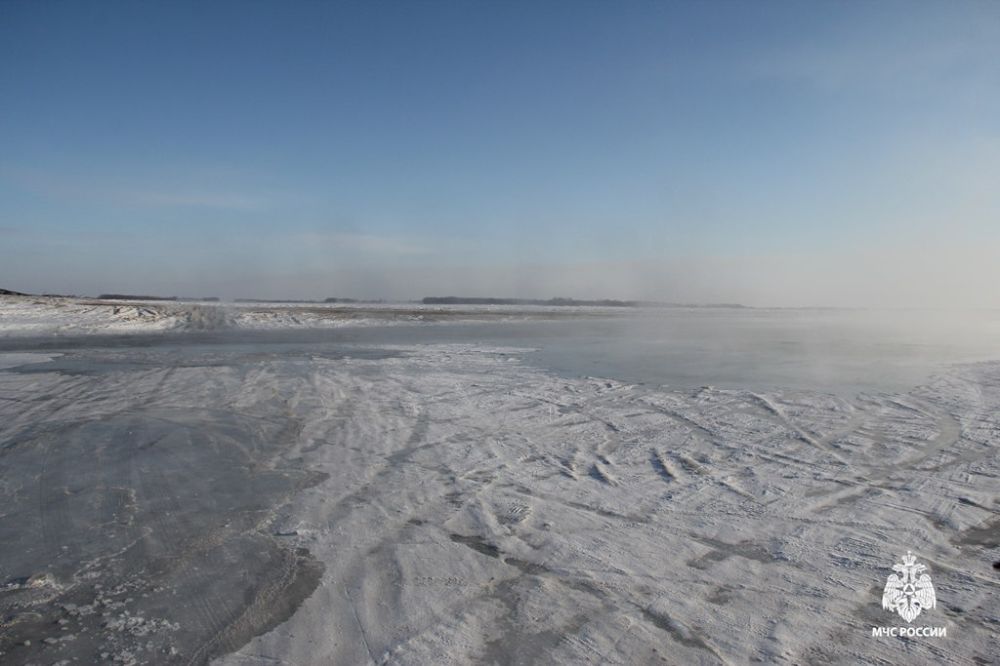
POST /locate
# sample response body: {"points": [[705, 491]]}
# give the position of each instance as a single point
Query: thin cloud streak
{"points": [[350, 243], [38, 182]]}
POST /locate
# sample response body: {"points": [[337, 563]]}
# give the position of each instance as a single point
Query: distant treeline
{"points": [[462, 300], [138, 297], [8, 292], [292, 300], [271, 300], [472, 300], [134, 297]]}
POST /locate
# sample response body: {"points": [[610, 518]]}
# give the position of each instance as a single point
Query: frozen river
{"points": [[440, 494], [838, 351]]}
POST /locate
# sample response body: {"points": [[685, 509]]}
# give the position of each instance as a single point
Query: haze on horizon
{"points": [[773, 153]]}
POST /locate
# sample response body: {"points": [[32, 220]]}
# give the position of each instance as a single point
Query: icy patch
{"points": [[14, 359]]}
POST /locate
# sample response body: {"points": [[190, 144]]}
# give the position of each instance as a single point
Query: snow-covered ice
{"points": [[498, 514], [436, 504], [30, 316], [25, 316]]}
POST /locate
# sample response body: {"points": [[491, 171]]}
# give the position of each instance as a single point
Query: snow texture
{"points": [[469, 508], [24, 316]]}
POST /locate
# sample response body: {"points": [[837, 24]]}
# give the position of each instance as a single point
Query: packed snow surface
{"points": [[452, 504], [48, 316]]}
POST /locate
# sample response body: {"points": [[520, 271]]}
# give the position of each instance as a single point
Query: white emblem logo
{"points": [[908, 593]]}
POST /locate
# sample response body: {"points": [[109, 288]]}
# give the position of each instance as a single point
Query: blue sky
{"points": [[794, 153]]}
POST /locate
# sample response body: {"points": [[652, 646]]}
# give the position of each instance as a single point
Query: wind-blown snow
{"points": [[27, 316], [478, 510], [53, 316]]}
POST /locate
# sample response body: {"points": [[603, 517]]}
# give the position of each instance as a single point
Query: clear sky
{"points": [[800, 153]]}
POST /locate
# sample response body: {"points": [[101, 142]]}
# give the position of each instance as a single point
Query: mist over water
{"points": [[837, 351], [455, 333], [834, 351]]}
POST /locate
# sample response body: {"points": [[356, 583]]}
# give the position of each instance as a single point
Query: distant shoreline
{"points": [[609, 302], [427, 300]]}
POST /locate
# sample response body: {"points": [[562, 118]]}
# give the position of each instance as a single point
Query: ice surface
{"points": [[13, 359], [494, 513], [436, 504], [47, 316]]}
